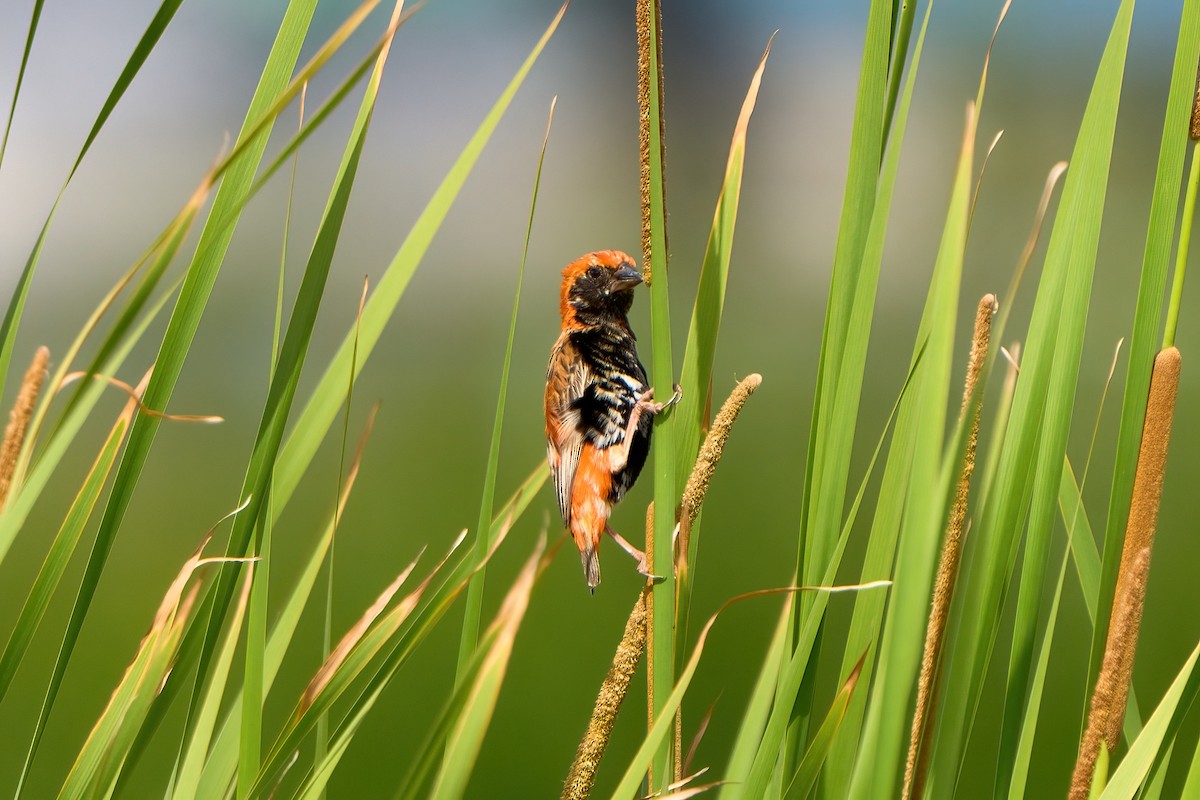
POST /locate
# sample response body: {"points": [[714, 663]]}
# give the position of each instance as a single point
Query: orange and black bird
{"points": [[599, 409]]}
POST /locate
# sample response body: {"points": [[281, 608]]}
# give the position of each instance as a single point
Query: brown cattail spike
{"points": [[1194, 128], [947, 573], [18, 419], [1106, 713], [612, 693], [714, 444], [649, 13]]}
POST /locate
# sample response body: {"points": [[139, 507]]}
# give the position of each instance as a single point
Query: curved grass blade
{"points": [[153, 32], [465, 738], [326, 399], [474, 602], [12, 109], [180, 330]]}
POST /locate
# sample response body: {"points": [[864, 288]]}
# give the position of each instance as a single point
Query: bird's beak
{"points": [[626, 277]]}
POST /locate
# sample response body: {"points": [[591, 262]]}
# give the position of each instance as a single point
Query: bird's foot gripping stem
{"points": [[642, 566]]}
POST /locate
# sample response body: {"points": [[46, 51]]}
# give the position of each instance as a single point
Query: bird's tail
{"points": [[591, 564]]}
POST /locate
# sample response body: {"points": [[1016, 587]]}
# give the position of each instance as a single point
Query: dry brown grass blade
{"points": [[1106, 713], [951, 555], [18, 419], [352, 636], [582, 774], [135, 394]]}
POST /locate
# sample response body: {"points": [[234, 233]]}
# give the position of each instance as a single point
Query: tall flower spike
{"points": [[18, 419], [1106, 714], [947, 573]]}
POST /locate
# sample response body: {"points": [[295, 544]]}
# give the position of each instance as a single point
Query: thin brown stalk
{"points": [[612, 693], [18, 419], [947, 573], [1106, 714], [644, 77], [649, 595]]}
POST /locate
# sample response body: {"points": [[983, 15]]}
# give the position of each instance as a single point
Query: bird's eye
{"points": [[594, 273]]}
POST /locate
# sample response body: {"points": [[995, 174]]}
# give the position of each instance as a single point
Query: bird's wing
{"points": [[566, 381]]}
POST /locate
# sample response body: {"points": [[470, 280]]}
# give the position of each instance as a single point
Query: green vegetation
{"points": [[832, 698]]}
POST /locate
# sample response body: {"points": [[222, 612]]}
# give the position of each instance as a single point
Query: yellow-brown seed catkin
{"points": [[608, 702], [947, 573], [18, 419], [1106, 714], [1194, 128], [649, 12], [714, 444]]}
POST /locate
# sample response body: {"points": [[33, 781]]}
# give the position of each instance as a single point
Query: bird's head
{"points": [[598, 287]]}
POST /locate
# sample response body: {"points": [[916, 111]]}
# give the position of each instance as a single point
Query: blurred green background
{"points": [[437, 369]]}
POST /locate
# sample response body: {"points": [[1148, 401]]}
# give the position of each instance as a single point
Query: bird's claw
{"points": [[644, 569]]}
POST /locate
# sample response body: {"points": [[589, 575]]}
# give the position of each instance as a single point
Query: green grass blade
{"points": [[1156, 738], [887, 723], [466, 737], [154, 31], [279, 401], [61, 550], [1072, 249], [843, 347], [758, 708], [1036, 433], [474, 602], [696, 374], [1018, 778], [770, 739], [1144, 343], [185, 784], [180, 330], [885, 527], [326, 399], [805, 779], [12, 108]]}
